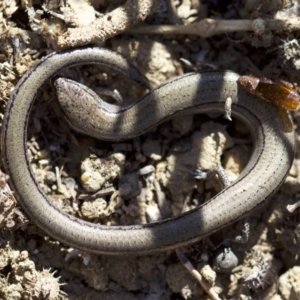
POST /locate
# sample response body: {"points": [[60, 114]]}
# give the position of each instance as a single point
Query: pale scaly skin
{"points": [[192, 93]]}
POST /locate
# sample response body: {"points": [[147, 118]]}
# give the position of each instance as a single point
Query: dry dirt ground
{"points": [[149, 178]]}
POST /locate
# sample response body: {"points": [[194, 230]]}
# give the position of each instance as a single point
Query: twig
{"points": [[209, 27], [188, 265], [292, 207], [111, 24]]}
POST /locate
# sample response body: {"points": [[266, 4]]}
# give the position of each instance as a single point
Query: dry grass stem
{"points": [[209, 27]]}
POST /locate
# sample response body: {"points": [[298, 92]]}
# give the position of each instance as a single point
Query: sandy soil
{"points": [[150, 179]]}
